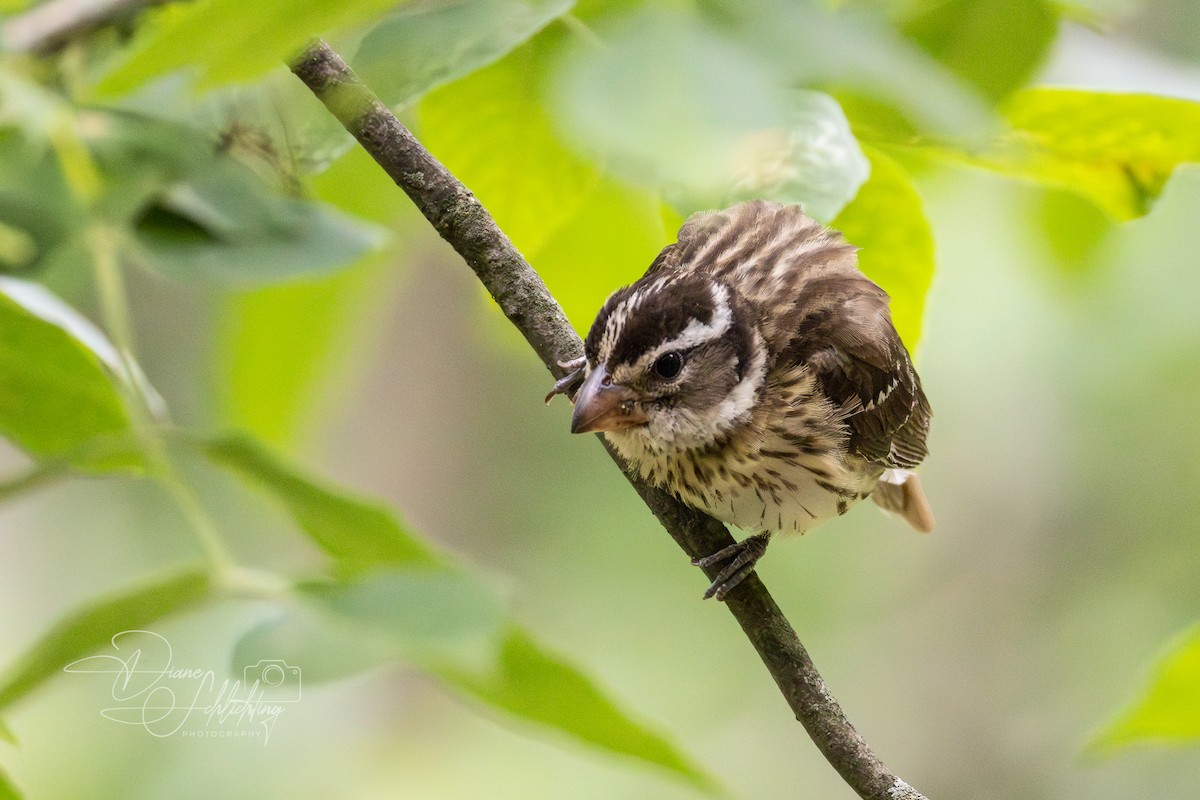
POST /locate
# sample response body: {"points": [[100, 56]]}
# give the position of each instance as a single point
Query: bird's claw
{"points": [[569, 383], [739, 559]]}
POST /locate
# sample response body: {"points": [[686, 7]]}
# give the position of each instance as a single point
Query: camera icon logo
{"points": [[275, 679]]}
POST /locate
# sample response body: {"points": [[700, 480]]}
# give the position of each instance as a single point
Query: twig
{"points": [[50, 25], [41, 474], [465, 224]]}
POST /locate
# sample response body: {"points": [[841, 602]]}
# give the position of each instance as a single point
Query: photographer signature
{"points": [[167, 700]]}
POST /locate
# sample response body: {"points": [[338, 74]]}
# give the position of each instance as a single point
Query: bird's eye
{"points": [[668, 365]]}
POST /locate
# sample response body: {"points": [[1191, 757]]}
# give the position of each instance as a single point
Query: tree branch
{"points": [[523, 297]]}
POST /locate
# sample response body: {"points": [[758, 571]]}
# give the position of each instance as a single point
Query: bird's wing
{"points": [[845, 334], [864, 368]]}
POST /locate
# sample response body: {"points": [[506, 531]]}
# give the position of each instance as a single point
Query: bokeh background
{"points": [[1061, 353]]}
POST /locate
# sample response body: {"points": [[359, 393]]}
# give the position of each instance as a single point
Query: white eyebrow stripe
{"points": [[615, 326], [696, 332]]}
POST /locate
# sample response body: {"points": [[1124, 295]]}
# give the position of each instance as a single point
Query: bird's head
{"points": [[673, 359]]}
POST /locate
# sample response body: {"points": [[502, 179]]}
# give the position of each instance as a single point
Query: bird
{"points": [[755, 374]]}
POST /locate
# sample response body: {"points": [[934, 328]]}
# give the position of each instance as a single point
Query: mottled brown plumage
{"points": [[754, 372]]}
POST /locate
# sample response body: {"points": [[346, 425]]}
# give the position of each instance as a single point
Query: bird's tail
{"points": [[899, 492]]}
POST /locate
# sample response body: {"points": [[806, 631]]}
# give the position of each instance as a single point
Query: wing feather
{"points": [[863, 367], [787, 265]]}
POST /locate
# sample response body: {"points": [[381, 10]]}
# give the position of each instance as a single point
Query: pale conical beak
{"points": [[601, 405]]}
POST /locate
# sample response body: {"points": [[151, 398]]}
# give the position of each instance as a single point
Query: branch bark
{"points": [[523, 297]]}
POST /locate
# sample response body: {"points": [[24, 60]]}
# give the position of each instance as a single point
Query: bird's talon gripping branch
{"points": [[569, 383], [741, 557]]}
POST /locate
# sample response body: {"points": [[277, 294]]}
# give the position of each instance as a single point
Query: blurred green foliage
{"points": [[7, 790], [887, 221], [56, 395], [425, 608], [539, 183], [226, 40], [171, 152], [426, 45], [1167, 711], [567, 701], [1116, 150], [85, 631], [961, 34]]}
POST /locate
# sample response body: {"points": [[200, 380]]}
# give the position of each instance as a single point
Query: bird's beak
{"points": [[601, 405]]}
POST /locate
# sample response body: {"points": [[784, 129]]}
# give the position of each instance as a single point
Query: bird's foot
{"points": [[569, 383], [739, 559]]}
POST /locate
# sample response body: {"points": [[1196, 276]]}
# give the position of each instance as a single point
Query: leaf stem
{"points": [[103, 244], [38, 475], [206, 531]]}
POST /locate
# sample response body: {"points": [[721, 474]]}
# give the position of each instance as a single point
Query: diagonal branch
{"points": [[523, 297]]}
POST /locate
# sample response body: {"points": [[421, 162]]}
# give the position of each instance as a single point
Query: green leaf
{"points": [[662, 123], [536, 685], [1168, 710], [538, 184], [453, 626], [1116, 150], [1072, 229], [223, 225], [341, 628], [805, 44], [356, 184], [226, 213], [82, 631], [6, 734], [419, 605], [218, 214], [275, 127], [592, 11], [812, 159], [134, 157], [360, 534], [35, 203], [427, 45], [426, 611], [584, 262], [1097, 12], [875, 120], [18, 248], [995, 44], [56, 395], [44, 304], [724, 129], [325, 648], [887, 222], [279, 346], [7, 790], [230, 40]]}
